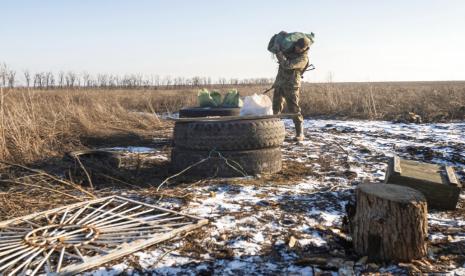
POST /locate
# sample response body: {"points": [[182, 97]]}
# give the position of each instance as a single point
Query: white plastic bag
{"points": [[257, 105]]}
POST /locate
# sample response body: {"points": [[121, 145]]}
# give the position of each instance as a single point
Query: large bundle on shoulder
{"points": [[284, 41]]}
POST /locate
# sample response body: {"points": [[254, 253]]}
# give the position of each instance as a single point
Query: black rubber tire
{"points": [[193, 112], [230, 135], [252, 162]]}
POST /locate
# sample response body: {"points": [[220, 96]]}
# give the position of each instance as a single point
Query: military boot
{"points": [[299, 134]]}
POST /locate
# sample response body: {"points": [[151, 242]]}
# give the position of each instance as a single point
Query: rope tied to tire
{"points": [[231, 163]]}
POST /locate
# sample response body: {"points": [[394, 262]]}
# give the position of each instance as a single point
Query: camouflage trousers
{"points": [[290, 95]]}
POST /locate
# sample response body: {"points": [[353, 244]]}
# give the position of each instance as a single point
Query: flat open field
{"points": [[36, 124], [252, 218]]}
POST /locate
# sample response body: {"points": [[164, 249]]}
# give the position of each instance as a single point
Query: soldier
{"points": [[292, 65]]}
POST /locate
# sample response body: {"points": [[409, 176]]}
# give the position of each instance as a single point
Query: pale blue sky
{"points": [[356, 40]]}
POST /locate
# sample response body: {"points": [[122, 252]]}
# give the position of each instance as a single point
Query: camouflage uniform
{"points": [[287, 85]]}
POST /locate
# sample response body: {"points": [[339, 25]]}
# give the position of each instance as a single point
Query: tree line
{"points": [[50, 80]]}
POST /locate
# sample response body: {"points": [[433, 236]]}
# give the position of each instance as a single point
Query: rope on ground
{"points": [[240, 169], [235, 166], [181, 172]]}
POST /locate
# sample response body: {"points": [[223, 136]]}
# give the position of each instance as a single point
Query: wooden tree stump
{"points": [[390, 223]]}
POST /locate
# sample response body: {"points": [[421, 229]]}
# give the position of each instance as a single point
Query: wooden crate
{"points": [[438, 183]]}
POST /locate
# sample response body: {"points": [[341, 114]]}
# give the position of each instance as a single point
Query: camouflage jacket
{"points": [[291, 67]]}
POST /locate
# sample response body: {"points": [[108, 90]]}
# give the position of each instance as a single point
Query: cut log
{"points": [[437, 183], [390, 223]]}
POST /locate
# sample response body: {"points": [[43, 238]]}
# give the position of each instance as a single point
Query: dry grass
{"points": [[37, 124], [433, 101], [40, 124]]}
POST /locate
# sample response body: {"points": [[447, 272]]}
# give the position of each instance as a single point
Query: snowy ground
{"points": [[292, 223]]}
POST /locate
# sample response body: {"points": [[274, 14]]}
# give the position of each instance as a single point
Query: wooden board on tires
{"points": [[193, 112], [232, 118], [439, 184]]}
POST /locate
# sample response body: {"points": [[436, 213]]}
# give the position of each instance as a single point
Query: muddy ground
{"points": [[290, 223]]}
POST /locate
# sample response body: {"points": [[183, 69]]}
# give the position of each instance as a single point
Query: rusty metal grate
{"points": [[76, 237]]}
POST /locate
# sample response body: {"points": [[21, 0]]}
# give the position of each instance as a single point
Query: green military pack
{"points": [[283, 41], [205, 99], [213, 99], [232, 99], [216, 96]]}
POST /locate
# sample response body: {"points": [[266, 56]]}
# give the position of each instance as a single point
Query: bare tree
{"points": [[102, 80], [156, 80], [222, 81], [139, 79], [86, 79], [27, 77], [50, 79], [195, 81], [70, 79], [11, 78], [114, 81], [78, 81], [3, 74], [38, 80], [46, 80], [61, 79], [43, 75]]}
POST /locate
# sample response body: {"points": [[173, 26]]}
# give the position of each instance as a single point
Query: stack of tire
{"points": [[229, 147]]}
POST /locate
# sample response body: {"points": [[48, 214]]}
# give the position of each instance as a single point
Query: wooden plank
{"points": [[128, 249], [452, 177], [147, 222], [120, 217], [131, 217], [102, 215], [95, 212], [139, 229], [160, 208], [397, 167], [232, 118]]}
